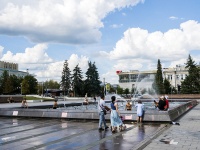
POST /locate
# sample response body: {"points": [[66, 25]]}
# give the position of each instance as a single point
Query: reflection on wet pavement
{"points": [[60, 134]]}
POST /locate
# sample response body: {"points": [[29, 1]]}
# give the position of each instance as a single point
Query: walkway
{"points": [[184, 137]]}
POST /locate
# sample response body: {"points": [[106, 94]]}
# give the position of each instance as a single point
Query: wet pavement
{"points": [[185, 136], [62, 134]]}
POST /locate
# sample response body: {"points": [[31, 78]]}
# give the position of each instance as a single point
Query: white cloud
{"points": [[82, 62], [32, 55], [116, 25], [1, 50], [39, 63], [173, 18], [140, 50], [123, 14], [62, 21]]}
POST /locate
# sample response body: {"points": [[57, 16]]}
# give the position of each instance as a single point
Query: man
{"points": [[101, 107]]}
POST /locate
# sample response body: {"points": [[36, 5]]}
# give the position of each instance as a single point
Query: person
{"points": [[166, 107], [10, 100], [140, 111], [128, 106], [55, 105], [155, 104], [115, 119], [95, 99], [101, 107], [86, 102], [24, 103], [161, 103]]}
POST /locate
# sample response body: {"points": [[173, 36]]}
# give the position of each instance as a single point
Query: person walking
{"points": [[102, 107], [140, 111], [115, 119]]}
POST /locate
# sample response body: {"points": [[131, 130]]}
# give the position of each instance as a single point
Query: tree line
{"points": [[70, 82], [74, 83], [190, 85]]}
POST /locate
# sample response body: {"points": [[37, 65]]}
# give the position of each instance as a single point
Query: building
{"points": [[144, 79], [12, 69]]}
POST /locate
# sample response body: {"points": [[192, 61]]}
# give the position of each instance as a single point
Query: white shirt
{"points": [[102, 104]]}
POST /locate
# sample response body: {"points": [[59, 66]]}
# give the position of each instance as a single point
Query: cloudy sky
{"points": [[115, 34]]}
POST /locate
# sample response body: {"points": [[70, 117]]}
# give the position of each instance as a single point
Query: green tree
{"points": [[92, 82], [25, 87], [158, 82], [77, 81], [191, 84], [119, 90], [126, 91], [167, 86], [51, 84], [6, 84], [66, 78], [29, 85]]}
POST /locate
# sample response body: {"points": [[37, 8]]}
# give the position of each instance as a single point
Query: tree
{"points": [[191, 84], [119, 90], [92, 82], [51, 84], [77, 81], [167, 86], [66, 77], [29, 85], [126, 91], [158, 82], [6, 83]]}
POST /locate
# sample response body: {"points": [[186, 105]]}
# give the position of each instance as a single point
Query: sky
{"points": [[116, 35]]}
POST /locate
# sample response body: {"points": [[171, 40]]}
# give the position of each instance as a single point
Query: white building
{"points": [[144, 79], [12, 69]]}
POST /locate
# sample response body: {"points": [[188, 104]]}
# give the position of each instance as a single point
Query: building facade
{"points": [[12, 69], [144, 79]]}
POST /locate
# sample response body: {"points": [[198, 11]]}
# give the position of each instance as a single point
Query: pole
{"points": [[104, 87]]}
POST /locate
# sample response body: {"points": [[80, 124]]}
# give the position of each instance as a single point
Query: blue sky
{"points": [[117, 35]]}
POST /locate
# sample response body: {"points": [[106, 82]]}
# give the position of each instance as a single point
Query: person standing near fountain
{"points": [[115, 119], [102, 107], [140, 111]]}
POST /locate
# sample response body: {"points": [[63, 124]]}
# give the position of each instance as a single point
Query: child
{"points": [[128, 106], [55, 105], [24, 103], [140, 111]]}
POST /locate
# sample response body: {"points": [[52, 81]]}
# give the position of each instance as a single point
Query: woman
{"points": [[115, 116]]}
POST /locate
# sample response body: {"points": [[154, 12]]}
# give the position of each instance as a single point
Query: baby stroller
{"points": [[123, 127]]}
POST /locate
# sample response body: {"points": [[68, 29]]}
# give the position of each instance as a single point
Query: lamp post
{"points": [[104, 88], [175, 77], [21, 88]]}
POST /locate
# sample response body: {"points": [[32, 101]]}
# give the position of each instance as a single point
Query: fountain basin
{"points": [[150, 115]]}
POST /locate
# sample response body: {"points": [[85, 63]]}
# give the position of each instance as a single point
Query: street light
{"points": [[104, 88], [21, 88]]}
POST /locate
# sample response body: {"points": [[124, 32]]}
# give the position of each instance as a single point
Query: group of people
{"points": [[162, 104], [116, 119]]}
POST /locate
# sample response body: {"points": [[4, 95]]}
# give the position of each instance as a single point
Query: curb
{"points": [[151, 137]]}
